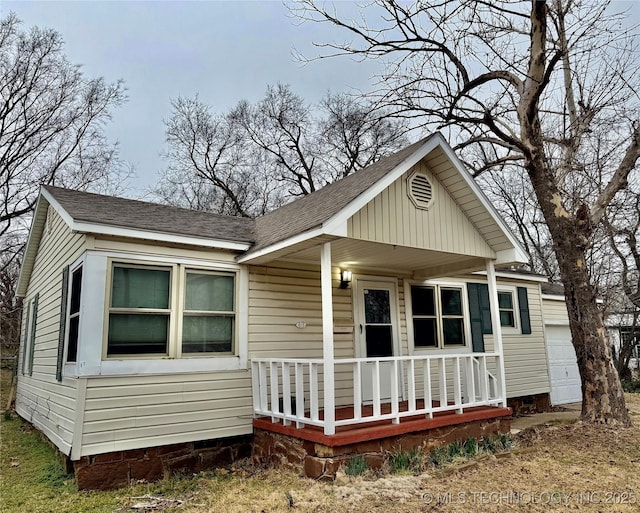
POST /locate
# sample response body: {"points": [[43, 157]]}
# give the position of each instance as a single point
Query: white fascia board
{"points": [[516, 276], [301, 237], [515, 255], [117, 231], [340, 219], [35, 234], [553, 297], [66, 217], [520, 255]]}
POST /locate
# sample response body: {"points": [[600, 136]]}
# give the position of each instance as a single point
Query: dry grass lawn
{"points": [[562, 467], [569, 467]]}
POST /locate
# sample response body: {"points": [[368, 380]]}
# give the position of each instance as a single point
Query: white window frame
{"points": [[181, 314], [72, 270], [96, 283], [511, 330], [169, 312], [28, 328], [440, 348], [175, 311]]}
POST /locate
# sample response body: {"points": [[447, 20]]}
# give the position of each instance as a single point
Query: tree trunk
{"points": [[602, 395]]}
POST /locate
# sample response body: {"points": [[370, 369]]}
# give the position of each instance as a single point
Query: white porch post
{"points": [[497, 329], [327, 340]]}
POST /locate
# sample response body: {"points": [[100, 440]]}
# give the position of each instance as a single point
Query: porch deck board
{"points": [[361, 432]]}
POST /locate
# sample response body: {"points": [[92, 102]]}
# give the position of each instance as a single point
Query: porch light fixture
{"points": [[345, 278]]}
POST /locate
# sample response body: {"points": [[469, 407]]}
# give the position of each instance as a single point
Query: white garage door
{"points": [[563, 369]]}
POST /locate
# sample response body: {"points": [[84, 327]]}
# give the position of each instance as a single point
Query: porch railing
{"points": [[290, 389]]}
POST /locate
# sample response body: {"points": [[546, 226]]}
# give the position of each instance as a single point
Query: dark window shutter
{"points": [[63, 322], [523, 303], [34, 320], [475, 315], [24, 337], [485, 308]]}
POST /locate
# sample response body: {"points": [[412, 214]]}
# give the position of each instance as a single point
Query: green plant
{"points": [[488, 444], [406, 461], [456, 450], [471, 447], [504, 442], [496, 443], [356, 466], [439, 456], [6, 415]]}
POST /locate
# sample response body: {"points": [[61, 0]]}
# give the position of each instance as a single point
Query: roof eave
{"points": [[33, 241], [134, 233]]}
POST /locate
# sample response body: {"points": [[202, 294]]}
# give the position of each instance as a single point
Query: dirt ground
{"points": [[556, 467]]}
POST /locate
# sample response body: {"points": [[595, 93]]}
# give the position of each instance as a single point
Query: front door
{"points": [[377, 333]]}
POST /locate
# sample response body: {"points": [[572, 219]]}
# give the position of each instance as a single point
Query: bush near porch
{"points": [[596, 467]]}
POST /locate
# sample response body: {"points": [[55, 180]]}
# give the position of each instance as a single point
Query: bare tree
{"points": [[622, 225], [51, 121], [524, 84], [257, 156], [51, 132], [10, 306]]}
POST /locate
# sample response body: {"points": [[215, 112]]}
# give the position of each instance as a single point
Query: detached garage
{"points": [[564, 376]]}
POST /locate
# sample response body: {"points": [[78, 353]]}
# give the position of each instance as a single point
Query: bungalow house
{"points": [[157, 338]]}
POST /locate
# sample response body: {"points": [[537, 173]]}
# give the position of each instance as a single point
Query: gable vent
{"points": [[420, 190]]}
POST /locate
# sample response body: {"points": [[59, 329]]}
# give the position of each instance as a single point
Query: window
{"points": [[139, 311], [29, 341], [438, 318], [506, 305], [209, 313], [170, 311], [74, 315]]}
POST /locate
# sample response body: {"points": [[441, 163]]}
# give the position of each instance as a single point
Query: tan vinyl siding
{"points": [[442, 167], [137, 411], [282, 295], [130, 412], [392, 218], [555, 311], [46, 403], [525, 356]]}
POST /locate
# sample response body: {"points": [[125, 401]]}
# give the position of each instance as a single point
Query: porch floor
{"points": [[375, 430]]}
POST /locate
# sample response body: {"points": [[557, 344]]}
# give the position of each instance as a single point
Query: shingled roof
{"points": [[296, 217], [126, 213]]}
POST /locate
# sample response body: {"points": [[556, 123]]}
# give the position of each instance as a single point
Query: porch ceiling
{"points": [[359, 254]]}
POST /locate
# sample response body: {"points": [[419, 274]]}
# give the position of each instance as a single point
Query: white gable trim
{"points": [[301, 237], [337, 224], [31, 249], [513, 255], [358, 203], [519, 255]]}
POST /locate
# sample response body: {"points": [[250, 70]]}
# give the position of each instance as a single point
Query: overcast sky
{"points": [[223, 51]]}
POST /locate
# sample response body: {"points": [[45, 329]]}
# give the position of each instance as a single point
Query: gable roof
{"points": [[87, 210], [312, 210], [325, 212]]}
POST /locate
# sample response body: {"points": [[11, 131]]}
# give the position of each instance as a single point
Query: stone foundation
{"points": [[117, 469], [319, 461], [526, 405]]}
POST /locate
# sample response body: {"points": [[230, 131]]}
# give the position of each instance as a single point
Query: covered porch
{"points": [[334, 401]]}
